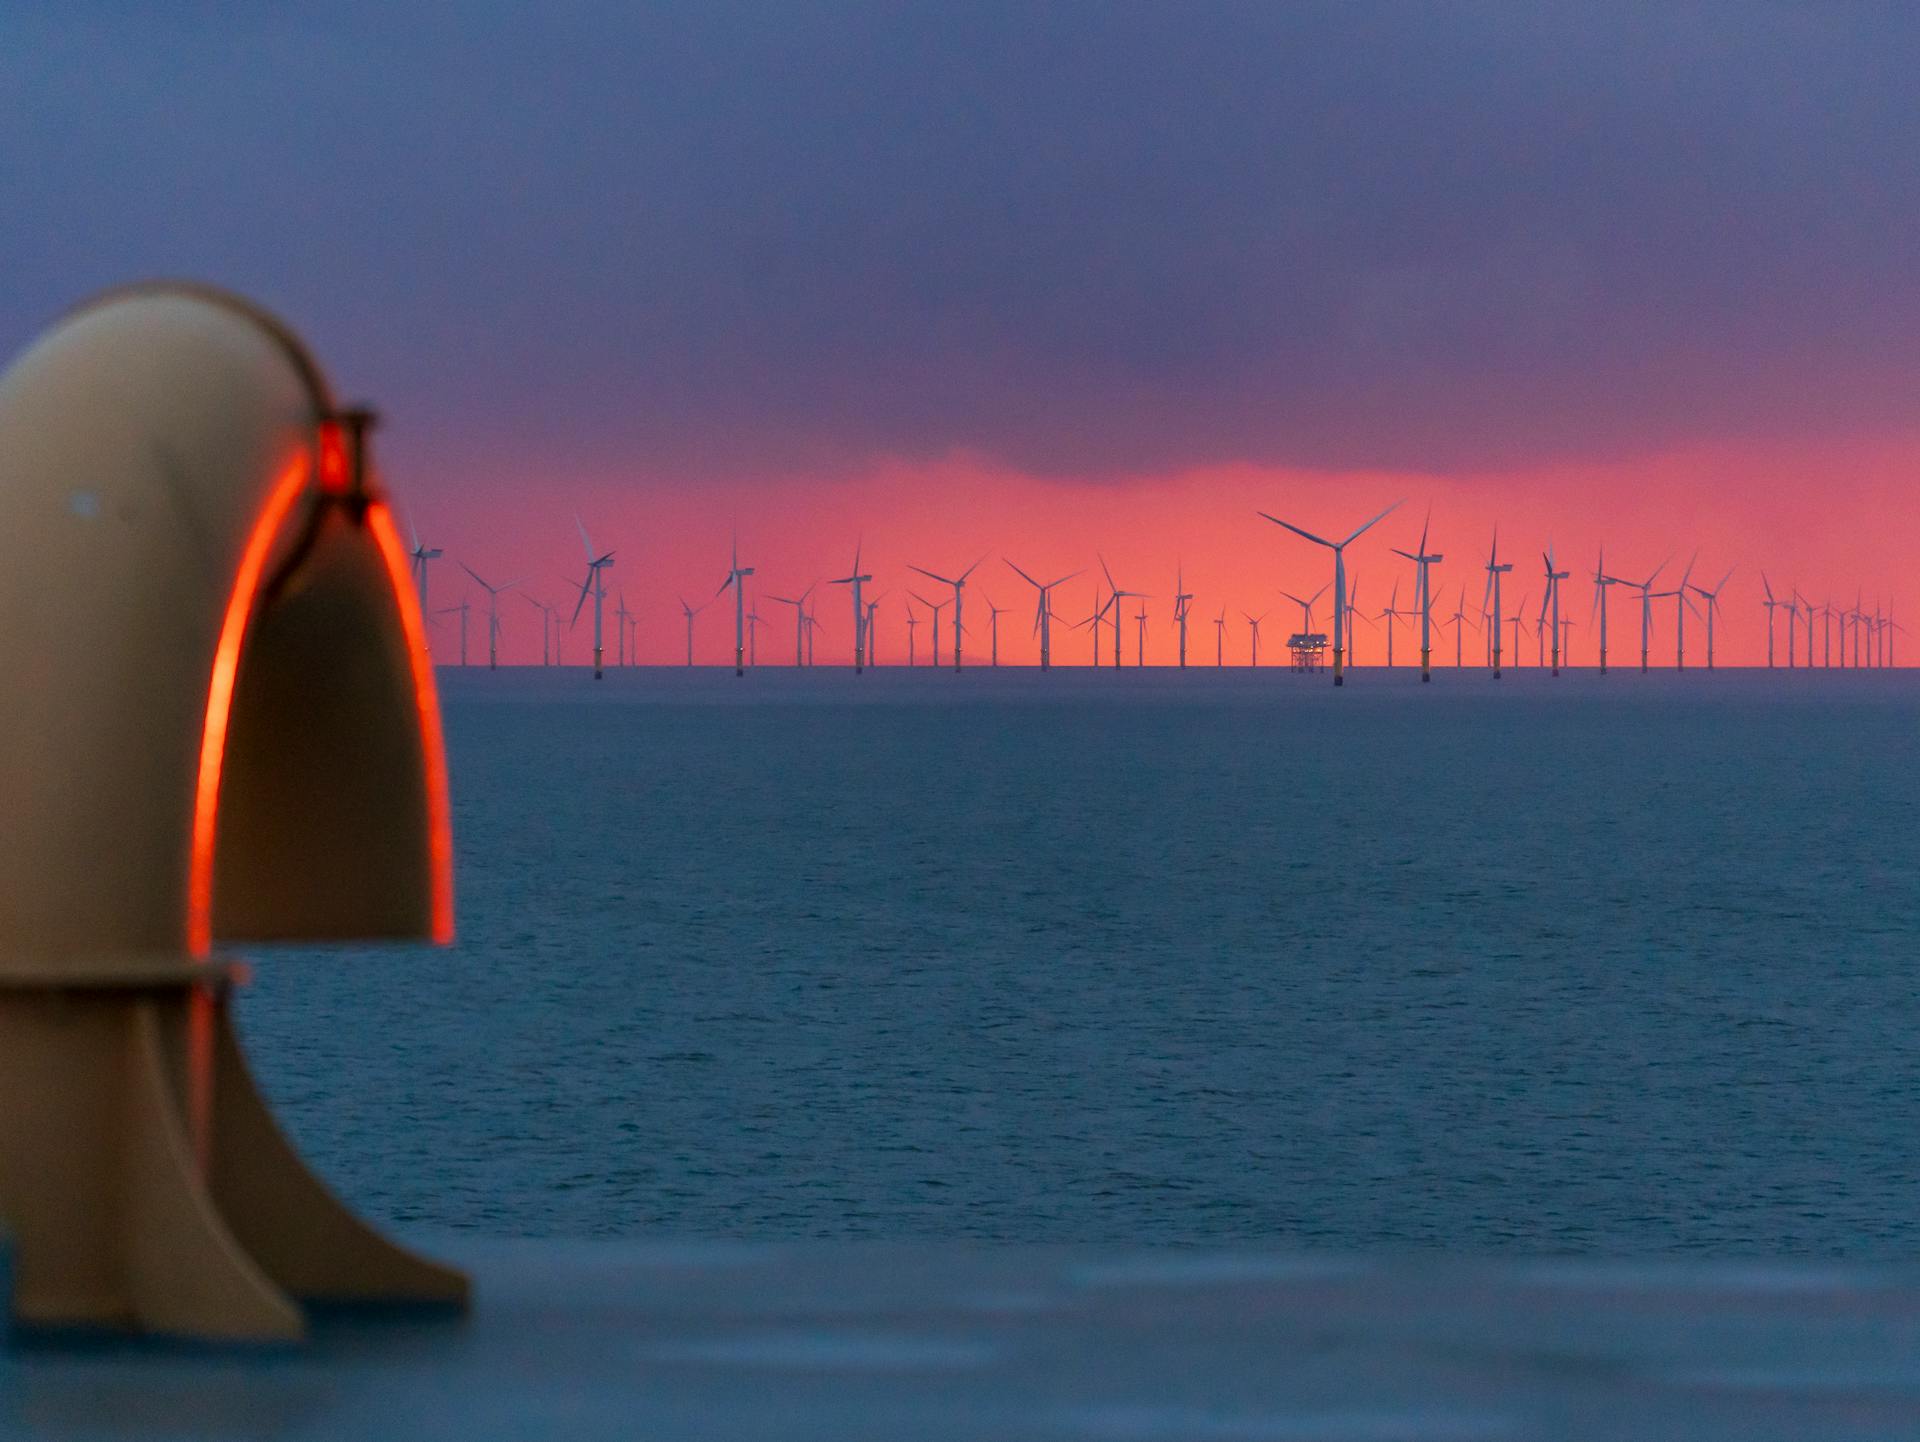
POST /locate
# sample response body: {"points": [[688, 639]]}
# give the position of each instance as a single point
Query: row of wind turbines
{"points": [[1871, 633]]}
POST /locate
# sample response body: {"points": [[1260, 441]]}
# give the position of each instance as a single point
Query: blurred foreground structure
{"points": [[219, 722]]}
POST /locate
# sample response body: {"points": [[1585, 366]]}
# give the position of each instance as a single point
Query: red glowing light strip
{"points": [[427, 701], [226, 665]]}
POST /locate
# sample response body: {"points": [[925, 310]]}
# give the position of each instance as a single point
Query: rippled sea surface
{"points": [[1621, 966]]}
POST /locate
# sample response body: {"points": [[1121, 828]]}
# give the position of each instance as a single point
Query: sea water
{"points": [[1616, 966]]}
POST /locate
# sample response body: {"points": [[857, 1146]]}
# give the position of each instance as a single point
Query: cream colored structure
{"points": [[217, 720]]}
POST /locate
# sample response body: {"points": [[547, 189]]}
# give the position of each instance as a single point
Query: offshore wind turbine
{"points": [[1601, 580], [1792, 603], [1306, 606], [737, 578], [1459, 619], [1646, 611], [855, 579], [1119, 611], [1713, 604], [1339, 549], [799, 604], [1043, 612], [493, 614], [1423, 582], [993, 630], [1682, 602], [913, 623], [754, 623], [1554, 578], [462, 610], [623, 619], [936, 622], [594, 585], [873, 607], [691, 612], [1140, 650], [1182, 602], [1355, 615], [1517, 619], [1771, 606], [1496, 568], [1220, 638], [1389, 615], [419, 556], [547, 616], [1254, 623], [959, 584]]}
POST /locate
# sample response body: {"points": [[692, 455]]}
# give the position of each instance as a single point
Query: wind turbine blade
{"points": [[584, 542], [1022, 574], [473, 573], [1370, 524], [971, 569], [585, 588], [1111, 584], [1317, 540]]}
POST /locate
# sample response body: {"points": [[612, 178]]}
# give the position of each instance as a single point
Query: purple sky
{"points": [[712, 241]]}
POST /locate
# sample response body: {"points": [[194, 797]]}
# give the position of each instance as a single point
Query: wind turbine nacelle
{"points": [[218, 722]]}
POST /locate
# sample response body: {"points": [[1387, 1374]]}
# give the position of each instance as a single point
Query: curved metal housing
{"points": [[217, 720]]}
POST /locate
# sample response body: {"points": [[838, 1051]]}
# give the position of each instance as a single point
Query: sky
{"points": [[1041, 282]]}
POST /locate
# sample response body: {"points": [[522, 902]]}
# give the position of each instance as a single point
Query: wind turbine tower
{"points": [[493, 616], [856, 580], [419, 556], [1554, 578], [799, 604], [1043, 612], [1712, 599], [1339, 549], [1119, 611], [594, 585], [461, 609], [936, 623], [1496, 568], [736, 578], [959, 584], [690, 612], [1182, 603], [1423, 563], [1771, 606]]}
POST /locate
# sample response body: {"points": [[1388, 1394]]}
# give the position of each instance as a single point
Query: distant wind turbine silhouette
{"points": [[493, 614], [419, 556], [1253, 624], [461, 609], [1712, 599], [1771, 605], [1115, 600], [1496, 568], [1552, 599], [993, 624], [959, 584], [799, 604], [594, 585], [1182, 603], [1423, 581], [1043, 612], [690, 612], [936, 623], [1339, 549], [856, 579], [737, 578]]}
